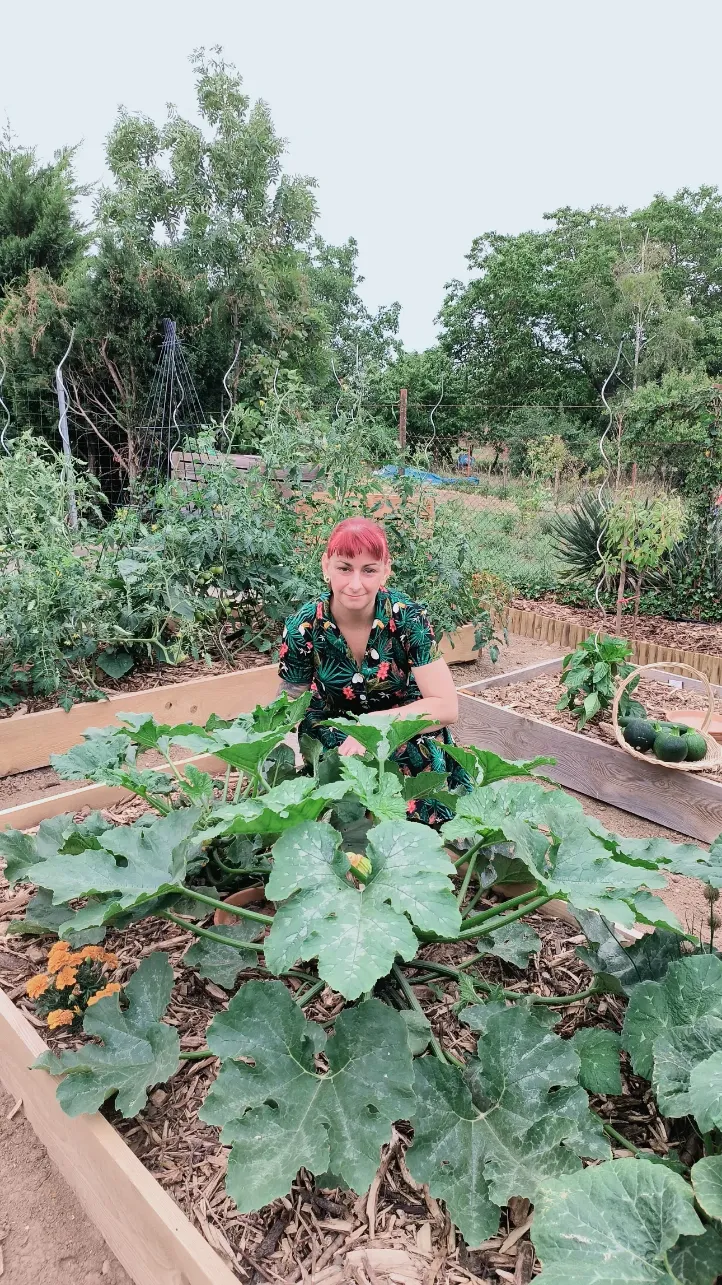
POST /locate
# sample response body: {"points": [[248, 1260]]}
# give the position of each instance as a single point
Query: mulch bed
{"points": [[538, 698], [700, 637], [333, 1236], [146, 679]]}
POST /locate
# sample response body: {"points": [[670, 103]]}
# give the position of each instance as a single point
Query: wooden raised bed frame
{"points": [[691, 805]]}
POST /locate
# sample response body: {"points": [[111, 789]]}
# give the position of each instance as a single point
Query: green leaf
{"points": [[133, 863], [706, 1178], [149, 735], [418, 1030], [245, 750], [137, 1049], [42, 917], [598, 1051], [357, 932], [279, 766], [281, 715], [618, 1223], [282, 808], [705, 1089], [197, 786], [380, 793], [514, 943], [652, 910], [279, 1114], [102, 751], [647, 960], [592, 704], [61, 833], [222, 964], [691, 991], [380, 734], [115, 663], [514, 1119], [485, 767], [423, 786], [476, 1016]]}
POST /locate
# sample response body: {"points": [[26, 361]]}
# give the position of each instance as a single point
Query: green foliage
{"points": [[629, 1220], [589, 675], [356, 933], [511, 1121], [38, 225], [673, 1031], [598, 1051], [279, 1114], [137, 1049]]}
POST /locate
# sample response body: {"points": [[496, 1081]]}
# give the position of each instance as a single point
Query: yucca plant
{"points": [[580, 534]]}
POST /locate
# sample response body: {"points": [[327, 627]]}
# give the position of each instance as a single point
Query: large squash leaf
{"points": [[280, 1114], [515, 1118], [136, 1051], [673, 1032], [356, 933], [484, 767], [130, 863], [707, 1182], [101, 751], [23, 852], [380, 734], [281, 808], [626, 1221], [220, 963], [624, 967]]}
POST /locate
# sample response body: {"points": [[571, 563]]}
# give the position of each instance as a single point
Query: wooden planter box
{"points": [[682, 801], [148, 1233]]}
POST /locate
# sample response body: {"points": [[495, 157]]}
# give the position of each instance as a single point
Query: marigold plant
{"points": [[75, 979]]}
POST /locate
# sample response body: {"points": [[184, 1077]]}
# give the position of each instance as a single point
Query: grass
{"points": [[522, 553]]}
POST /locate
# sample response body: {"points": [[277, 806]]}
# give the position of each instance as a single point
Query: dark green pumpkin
{"points": [[639, 734], [696, 746], [670, 747]]}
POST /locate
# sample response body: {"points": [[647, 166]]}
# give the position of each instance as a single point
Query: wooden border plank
{"points": [[28, 741], [23, 816], [148, 1233], [691, 806], [516, 675]]}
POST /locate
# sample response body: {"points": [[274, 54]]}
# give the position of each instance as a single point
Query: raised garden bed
{"points": [[505, 713], [397, 1230]]}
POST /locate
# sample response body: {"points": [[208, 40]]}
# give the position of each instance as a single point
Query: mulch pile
{"points": [[699, 637], [397, 1231]]}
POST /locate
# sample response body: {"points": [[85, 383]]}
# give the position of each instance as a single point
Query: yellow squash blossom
{"points": [[60, 1017], [111, 989], [37, 985]]}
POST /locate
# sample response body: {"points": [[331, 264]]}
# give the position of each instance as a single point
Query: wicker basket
{"points": [[713, 757]]}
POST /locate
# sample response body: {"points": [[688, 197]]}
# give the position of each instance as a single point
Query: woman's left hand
{"points": [[350, 746]]}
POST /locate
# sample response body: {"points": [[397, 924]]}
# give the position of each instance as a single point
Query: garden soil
{"points": [[684, 635], [45, 1237]]}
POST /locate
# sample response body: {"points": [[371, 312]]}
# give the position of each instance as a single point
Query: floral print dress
{"points": [[315, 653]]}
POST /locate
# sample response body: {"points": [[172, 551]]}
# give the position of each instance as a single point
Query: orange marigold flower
{"points": [[60, 1017], [58, 956], [66, 977], [111, 989], [37, 985], [99, 956]]}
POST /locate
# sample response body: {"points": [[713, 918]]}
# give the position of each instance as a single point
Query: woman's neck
{"points": [[353, 620]]}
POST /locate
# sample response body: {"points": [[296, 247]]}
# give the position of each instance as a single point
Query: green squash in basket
{"points": [[640, 734], [696, 746], [670, 747]]}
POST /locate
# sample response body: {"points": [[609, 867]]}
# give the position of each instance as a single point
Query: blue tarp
{"points": [[434, 479]]}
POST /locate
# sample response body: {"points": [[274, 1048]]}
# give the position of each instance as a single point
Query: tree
{"points": [[38, 225]]}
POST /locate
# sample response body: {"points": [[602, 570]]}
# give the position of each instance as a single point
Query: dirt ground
{"points": [[45, 1238]]}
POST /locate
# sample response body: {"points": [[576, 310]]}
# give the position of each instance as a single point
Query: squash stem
{"points": [[500, 908], [467, 880], [408, 992], [240, 911], [211, 936], [500, 921]]}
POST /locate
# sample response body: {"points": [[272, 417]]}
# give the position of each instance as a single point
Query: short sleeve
{"points": [[295, 655], [421, 642]]}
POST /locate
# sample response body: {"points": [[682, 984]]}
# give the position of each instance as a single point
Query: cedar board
{"points": [[690, 805], [148, 1233]]}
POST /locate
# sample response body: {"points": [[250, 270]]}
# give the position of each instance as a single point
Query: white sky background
{"points": [[425, 122]]}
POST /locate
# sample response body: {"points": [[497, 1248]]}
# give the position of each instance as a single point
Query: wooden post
{"points": [[403, 403]]}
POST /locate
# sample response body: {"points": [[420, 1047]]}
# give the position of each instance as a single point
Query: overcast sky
{"points": [[425, 122]]}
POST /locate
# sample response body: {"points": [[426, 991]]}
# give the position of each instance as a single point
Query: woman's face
{"points": [[355, 581]]}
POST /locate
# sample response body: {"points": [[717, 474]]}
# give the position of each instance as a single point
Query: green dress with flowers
{"points": [[315, 653]]}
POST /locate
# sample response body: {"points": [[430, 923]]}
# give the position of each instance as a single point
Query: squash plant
{"points": [[357, 890]]}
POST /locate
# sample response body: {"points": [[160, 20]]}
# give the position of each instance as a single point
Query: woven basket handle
{"points": [[661, 664]]}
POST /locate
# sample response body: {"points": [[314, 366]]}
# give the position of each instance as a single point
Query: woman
{"points": [[362, 648]]}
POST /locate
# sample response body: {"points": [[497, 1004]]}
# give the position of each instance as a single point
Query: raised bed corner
{"points": [[148, 1233]]}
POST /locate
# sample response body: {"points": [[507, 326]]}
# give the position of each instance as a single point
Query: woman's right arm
{"points": [[295, 655]]}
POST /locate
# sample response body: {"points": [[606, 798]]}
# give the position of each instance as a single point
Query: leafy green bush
{"points": [[515, 1118], [589, 675]]}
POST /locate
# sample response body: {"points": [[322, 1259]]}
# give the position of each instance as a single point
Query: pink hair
{"points": [[358, 535]]}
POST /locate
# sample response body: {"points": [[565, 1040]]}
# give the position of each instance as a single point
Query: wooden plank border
{"points": [[28, 741], [692, 806], [567, 633], [148, 1233]]}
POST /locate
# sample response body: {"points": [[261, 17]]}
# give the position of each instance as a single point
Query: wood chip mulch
{"points": [[699, 637], [397, 1231]]}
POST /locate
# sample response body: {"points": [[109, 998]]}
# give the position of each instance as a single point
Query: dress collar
{"points": [[382, 610]]}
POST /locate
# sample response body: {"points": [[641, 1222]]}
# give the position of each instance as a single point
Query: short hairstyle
{"points": [[358, 535]]}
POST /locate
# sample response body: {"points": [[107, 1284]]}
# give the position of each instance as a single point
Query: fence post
{"points": [[65, 438], [403, 402]]}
